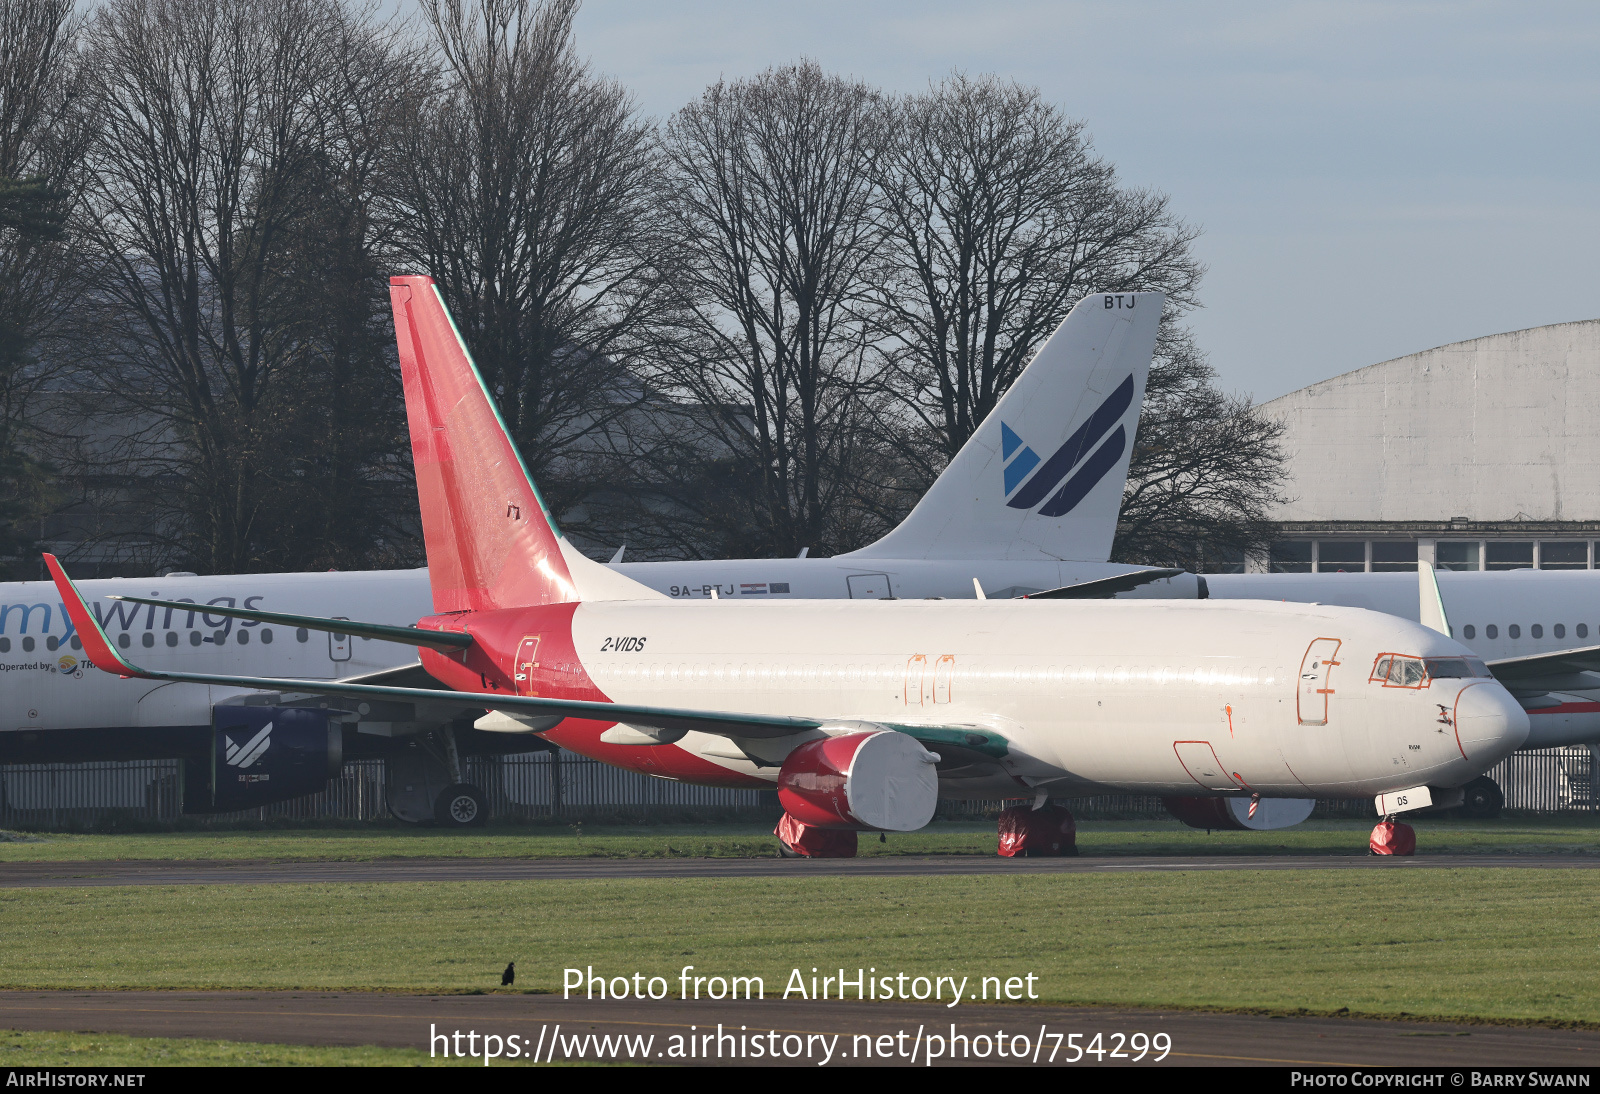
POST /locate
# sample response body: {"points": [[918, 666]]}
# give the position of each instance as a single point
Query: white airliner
{"points": [[864, 713], [1539, 630], [1029, 503]]}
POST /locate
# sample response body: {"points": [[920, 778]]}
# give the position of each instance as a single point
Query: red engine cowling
{"points": [[881, 781]]}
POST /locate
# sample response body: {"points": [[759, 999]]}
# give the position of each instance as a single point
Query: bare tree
{"points": [[41, 140], [768, 189], [526, 194], [1001, 218], [230, 180], [1206, 473]]}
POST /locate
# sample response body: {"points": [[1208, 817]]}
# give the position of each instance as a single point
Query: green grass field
{"points": [[1152, 837], [1467, 943], [26, 1048]]}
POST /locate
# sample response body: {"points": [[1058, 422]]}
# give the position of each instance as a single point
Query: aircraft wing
{"points": [[1536, 665], [671, 720]]}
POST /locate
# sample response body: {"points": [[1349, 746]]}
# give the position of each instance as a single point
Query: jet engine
{"points": [[260, 755], [878, 780], [1235, 812]]}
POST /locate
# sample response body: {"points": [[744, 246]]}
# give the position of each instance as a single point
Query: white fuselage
{"points": [[43, 687], [1497, 615], [1159, 698]]}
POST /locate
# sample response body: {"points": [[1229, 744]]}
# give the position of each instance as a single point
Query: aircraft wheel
{"points": [[460, 806], [1483, 798], [785, 851]]}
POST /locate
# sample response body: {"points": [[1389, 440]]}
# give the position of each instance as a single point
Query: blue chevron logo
{"points": [[1029, 480]]}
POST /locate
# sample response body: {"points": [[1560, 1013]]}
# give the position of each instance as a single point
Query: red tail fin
{"points": [[491, 543]]}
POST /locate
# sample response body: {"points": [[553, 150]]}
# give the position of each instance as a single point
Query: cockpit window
{"points": [[1397, 671], [1455, 668]]}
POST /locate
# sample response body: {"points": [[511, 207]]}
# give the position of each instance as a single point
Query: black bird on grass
{"points": [[509, 975]]}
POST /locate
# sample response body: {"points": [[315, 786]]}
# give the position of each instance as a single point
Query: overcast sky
{"points": [[1372, 178]]}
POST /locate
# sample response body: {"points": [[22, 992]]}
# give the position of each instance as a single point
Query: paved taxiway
{"points": [[366, 1018], [225, 872]]}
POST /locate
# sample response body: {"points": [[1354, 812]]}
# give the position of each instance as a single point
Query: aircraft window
{"points": [[266, 635], [77, 643], [1469, 632], [1560, 630], [1583, 632], [301, 634], [1514, 631], [172, 638], [52, 642], [27, 643], [1537, 630], [5, 645], [219, 637], [1449, 668], [1491, 631], [194, 638], [1396, 671], [244, 638], [147, 640], [1478, 667], [122, 640]]}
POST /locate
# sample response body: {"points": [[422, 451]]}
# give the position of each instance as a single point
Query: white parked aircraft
{"points": [[1536, 629], [1029, 503], [863, 714]]}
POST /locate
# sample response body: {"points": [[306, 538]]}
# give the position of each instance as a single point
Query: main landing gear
{"points": [[797, 839], [423, 783], [1038, 830], [1483, 798]]}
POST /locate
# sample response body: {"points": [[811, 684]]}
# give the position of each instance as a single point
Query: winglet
{"points": [[1432, 604], [95, 643]]}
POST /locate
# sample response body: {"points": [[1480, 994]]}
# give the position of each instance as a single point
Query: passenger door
{"points": [[1316, 681]]}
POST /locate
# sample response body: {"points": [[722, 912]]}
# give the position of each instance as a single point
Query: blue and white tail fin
{"points": [[1042, 477]]}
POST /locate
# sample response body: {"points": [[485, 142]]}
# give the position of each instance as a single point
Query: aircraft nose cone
{"points": [[1490, 724]]}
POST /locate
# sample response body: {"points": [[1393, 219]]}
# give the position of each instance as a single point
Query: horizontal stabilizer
{"points": [[1104, 587], [443, 641]]}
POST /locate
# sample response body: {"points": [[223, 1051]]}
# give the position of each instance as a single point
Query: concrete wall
{"points": [[1501, 428]]}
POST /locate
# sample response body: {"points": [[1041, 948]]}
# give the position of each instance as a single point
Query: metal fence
{"points": [[546, 785]]}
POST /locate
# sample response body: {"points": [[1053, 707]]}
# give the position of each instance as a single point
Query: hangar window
{"points": [[1291, 557], [1341, 556], [1514, 631], [1564, 555], [1537, 630], [1456, 555], [1394, 557], [1508, 555], [1469, 632], [1559, 630], [1491, 631]]}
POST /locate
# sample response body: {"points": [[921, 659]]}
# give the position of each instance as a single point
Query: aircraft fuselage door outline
{"points": [[339, 644], [527, 661], [1199, 759], [1316, 681], [869, 586]]}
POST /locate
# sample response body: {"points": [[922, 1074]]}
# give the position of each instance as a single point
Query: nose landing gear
{"points": [[1391, 837]]}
